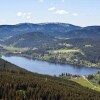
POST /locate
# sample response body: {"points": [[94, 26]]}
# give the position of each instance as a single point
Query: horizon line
{"points": [[47, 23]]}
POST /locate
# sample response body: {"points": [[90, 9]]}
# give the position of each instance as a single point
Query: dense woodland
{"points": [[19, 84]]}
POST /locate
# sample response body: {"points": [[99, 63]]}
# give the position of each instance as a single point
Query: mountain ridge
{"points": [[44, 32], [13, 30]]}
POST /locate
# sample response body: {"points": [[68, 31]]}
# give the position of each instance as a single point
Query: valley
{"points": [[75, 51], [53, 49], [50, 50]]}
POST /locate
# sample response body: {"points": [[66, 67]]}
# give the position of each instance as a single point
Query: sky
{"points": [[77, 12]]}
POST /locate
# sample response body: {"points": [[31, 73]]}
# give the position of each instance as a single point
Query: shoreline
{"points": [[27, 56]]}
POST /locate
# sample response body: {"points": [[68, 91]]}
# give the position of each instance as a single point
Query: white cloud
{"points": [[61, 12], [19, 14], [52, 9], [28, 17], [75, 14], [24, 15]]}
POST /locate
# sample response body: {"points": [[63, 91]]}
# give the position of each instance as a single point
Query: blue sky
{"points": [[78, 12]]}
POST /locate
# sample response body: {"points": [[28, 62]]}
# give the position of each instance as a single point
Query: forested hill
{"points": [[85, 32], [7, 31], [30, 35], [53, 29], [5, 65], [19, 84], [32, 39]]}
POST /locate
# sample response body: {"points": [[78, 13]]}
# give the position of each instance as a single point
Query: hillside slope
{"points": [[15, 84], [32, 39], [85, 32]]}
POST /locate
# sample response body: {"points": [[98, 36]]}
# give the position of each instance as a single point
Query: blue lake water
{"points": [[44, 67]]}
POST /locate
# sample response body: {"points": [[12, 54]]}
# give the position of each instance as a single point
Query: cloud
{"points": [[28, 17], [75, 14], [24, 15], [19, 14], [52, 9], [61, 12]]}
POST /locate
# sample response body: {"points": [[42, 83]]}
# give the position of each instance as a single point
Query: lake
{"points": [[44, 67]]}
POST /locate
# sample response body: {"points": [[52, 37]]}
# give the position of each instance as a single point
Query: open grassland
{"points": [[14, 49], [84, 82], [67, 51], [95, 79]]}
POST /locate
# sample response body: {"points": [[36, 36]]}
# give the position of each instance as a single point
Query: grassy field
{"points": [[84, 82], [14, 49], [66, 51], [95, 80]]}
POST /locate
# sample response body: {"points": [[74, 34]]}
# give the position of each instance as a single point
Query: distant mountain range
{"points": [[86, 32], [7, 31], [33, 34]]}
